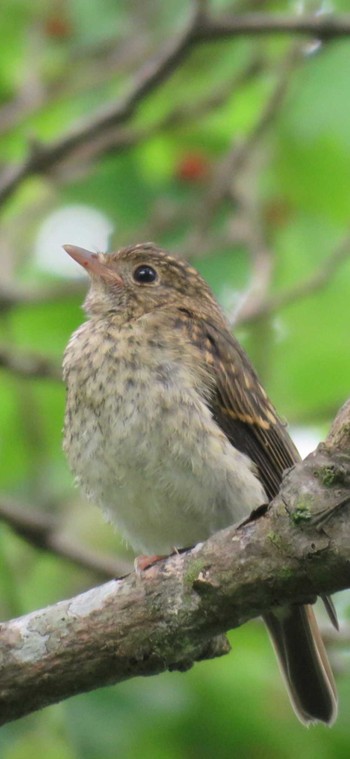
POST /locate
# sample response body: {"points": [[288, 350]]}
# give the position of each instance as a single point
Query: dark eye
{"points": [[145, 274]]}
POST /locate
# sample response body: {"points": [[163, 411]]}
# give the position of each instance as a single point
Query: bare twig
{"points": [[98, 64], [28, 365], [42, 531], [15, 295], [113, 141], [201, 28], [261, 255], [153, 74], [222, 185], [323, 27], [320, 279]]}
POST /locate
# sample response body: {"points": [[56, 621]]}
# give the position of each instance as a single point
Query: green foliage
{"points": [[297, 174]]}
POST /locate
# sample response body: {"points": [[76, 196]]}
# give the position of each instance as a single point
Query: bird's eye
{"points": [[145, 274]]}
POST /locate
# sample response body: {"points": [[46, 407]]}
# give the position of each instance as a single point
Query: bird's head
{"points": [[139, 279]]}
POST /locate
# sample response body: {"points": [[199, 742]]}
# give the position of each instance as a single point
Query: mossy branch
{"points": [[177, 611]]}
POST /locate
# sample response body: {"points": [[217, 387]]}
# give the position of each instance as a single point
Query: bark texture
{"points": [[176, 612]]}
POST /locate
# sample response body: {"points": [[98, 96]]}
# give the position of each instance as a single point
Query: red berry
{"points": [[192, 167]]}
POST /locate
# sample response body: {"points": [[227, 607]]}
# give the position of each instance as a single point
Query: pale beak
{"points": [[92, 263]]}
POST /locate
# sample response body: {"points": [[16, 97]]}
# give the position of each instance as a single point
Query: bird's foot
{"points": [[143, 562]]}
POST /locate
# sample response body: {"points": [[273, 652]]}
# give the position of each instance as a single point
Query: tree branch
{"points": [[151, 75], [202, 28], [231, 165], [43, 532], [15, 295], [166, 618], [29, 365], [323, 274], [324, 27]]}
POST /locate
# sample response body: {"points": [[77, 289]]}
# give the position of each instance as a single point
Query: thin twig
{"points": [[317, 281], [87, 68], [240, 153], [323, 27], [114, 141], [15, 295], [42, 531], [154, 73], [261, 255], [28, 365], [201, 29]]}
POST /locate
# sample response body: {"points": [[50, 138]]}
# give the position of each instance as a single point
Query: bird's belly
{"points": [[162, 471]]}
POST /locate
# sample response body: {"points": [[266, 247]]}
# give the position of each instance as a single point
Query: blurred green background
{"points": [[240, 161]]}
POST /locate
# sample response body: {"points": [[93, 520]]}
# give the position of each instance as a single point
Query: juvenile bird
{"points": [[169, 431]]}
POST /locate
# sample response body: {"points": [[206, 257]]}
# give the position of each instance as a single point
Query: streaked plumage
{"points": [[169, 430]]}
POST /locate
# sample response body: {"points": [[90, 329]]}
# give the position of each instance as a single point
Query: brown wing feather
{"points": [[241, 406], [245, 414]]}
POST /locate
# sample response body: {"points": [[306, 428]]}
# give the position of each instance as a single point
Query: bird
{"points": [[168, 429]]}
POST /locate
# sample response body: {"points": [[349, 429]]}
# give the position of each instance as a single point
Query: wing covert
{"points": [[240, 405]]}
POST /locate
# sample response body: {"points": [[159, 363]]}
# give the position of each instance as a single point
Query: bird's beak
{"points": [[92, 263]]}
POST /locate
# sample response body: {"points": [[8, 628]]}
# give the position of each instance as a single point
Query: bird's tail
{"points": [[304, 663]]}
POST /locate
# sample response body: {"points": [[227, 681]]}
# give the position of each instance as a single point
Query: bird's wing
{"points": [[243, 411], [240, 405]]}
